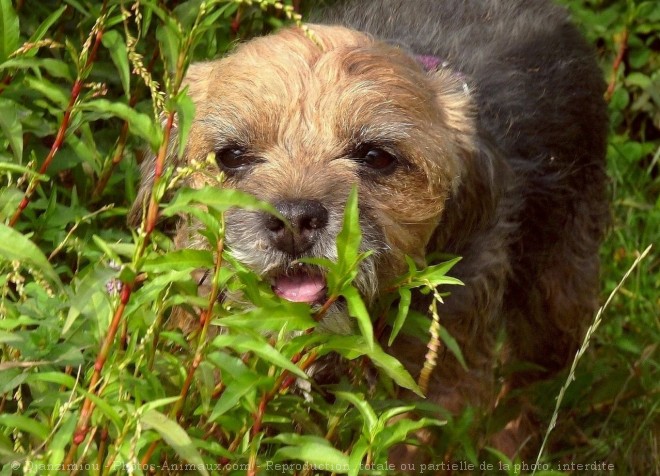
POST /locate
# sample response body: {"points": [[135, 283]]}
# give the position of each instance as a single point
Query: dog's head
{"points": [[299, 120]]}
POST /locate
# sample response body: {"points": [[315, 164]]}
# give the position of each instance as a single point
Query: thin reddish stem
{"points": [[621, 52], [82, 426], [64, 125]]}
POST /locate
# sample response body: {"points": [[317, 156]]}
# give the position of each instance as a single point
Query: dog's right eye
{"points": [[234, 158], [375, 158]]}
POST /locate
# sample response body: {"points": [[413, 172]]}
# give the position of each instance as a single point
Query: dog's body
{"points": [[475, 128]]}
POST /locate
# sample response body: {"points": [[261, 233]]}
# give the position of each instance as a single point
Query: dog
{"points": [[475, 128]]}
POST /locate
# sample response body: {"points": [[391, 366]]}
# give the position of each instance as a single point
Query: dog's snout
{"points": [[307, 218]]}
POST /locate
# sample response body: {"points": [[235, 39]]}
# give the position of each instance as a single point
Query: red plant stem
{"points": [[152, 214], [82, 427], [623, 46], [103, 446], [64, 125], [321, 312]]}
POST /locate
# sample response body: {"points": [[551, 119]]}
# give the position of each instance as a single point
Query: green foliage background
{"points": [[89, 372]]}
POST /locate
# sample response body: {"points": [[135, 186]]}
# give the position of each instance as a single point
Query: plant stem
{"points": [[64, 125], [82, 426]]}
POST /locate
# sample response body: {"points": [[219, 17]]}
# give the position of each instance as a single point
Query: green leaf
{"points": [[350, 236], [58, 378], [58, 95], [638, 79], [12, 128], [258, 345], [185, 113], [358, 310], [169, 37], [115, 44], [405, 297], [453, 346], [140, 124], [88, 291], [16, 247], [220, 199], [26, 424], [436, 274], [231, 396], [315, 451], [394, 369], [43, 28], [369, 418], [293, 317], [109, 410], [61, 439], [179, 260], [9, 30], [358, 452], [175, 436], [398, 431]]}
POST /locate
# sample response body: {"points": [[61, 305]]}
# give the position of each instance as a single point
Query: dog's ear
{"points": [[197, 81], [453, 97]]}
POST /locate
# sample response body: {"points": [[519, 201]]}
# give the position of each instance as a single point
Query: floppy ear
{"points": [[453, 97], [197, 80]]}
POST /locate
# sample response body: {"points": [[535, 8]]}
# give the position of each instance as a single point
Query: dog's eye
{"points": [[232, 158], [374, 157]]}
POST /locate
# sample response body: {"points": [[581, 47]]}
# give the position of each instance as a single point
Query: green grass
{"points": [[158, 396]]}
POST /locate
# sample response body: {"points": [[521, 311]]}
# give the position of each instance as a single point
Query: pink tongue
{"points": [[300, 288]]}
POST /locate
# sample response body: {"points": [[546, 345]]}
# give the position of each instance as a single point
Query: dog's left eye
{"points": [[374, 157], [233, 158]]}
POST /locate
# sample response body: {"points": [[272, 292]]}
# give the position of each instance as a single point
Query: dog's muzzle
{"points": [[307, 220]]}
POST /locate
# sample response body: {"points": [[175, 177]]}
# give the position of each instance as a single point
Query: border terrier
{"points": [[475, 128]]}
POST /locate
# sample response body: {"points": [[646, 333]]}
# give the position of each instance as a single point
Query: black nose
{"points": [[307, 218]]}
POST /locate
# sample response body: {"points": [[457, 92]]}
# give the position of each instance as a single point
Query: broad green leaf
{"points": [[61, 439], [161, 402], [369, 418], [115, 44], [58, 378], [452, 345], [58, 95], [175, 436], [358, 452], [10, 338], [405, 297], [55, 68], [358, 310], [9, 30], [398, 431], [169, 37], [231, 396], [43, 28], [23, 423], [185, 113], [315, 451], [16, 247], [221, 199], [350, 236], [394, 369], [258, 345], [436, 274], [294, 317], [179, 260], [109, 410], [140, 124], [11, 128], [87, 291]]}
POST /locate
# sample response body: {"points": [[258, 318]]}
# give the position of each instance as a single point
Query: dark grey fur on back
{"points": [[530, 256]]}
